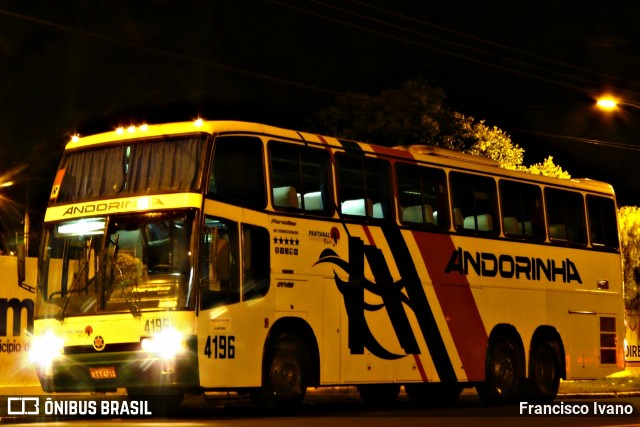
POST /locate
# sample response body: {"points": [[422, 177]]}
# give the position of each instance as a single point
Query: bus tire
{"points": [[544, 374], [433, 394], [502, 378], [379, 394], [285, 376]]}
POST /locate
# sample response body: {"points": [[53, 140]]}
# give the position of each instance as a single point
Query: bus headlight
{"points": [[166, 344], [44, 350]]}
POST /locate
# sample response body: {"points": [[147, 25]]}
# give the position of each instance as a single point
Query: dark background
{"points": [[531, 68]]}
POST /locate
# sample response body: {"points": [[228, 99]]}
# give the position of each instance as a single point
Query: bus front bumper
{"points": [[129, 369]]}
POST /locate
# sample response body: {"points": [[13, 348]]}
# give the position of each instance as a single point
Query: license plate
{"points": [[103, 373]]}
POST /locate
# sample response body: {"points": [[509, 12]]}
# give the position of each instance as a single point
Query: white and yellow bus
{"points": [[220, 255]]}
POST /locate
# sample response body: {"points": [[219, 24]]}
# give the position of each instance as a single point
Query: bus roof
{"points": [[420, 153]]}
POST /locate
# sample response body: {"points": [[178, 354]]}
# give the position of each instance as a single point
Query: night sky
{"points": [[530, 68]]}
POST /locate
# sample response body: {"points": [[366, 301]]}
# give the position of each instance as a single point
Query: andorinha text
{"points": [[113, 206], [487, 264]]}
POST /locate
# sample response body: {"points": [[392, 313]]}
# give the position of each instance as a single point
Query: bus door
{"points": [[234, 277]]}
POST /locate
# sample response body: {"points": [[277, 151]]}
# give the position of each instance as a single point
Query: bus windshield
{"points": [[119, 263], [143, 167]]}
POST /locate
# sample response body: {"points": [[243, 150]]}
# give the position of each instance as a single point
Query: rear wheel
{"points": [[544, 375], [379, 394], [502, 376], [285, 376], [436, 394]]}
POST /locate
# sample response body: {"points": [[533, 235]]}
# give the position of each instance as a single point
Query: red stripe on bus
{"points": [[321, 138], [392, 152], [423, 374], [457, 303], [367, 232]]}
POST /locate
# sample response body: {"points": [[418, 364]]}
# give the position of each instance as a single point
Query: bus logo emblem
{"points": [[98, 343], [360, 335]]}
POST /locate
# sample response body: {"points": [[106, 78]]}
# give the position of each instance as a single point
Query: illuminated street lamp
{"points": [[607, 103], [610, 103]]}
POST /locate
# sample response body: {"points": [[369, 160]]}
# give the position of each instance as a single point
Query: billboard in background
{"points": [[16, 322]]}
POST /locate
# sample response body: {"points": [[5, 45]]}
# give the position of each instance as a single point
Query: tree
{"points": [[546, 168], [629, 222], [491, 142], [411, 114], [415, 113]]}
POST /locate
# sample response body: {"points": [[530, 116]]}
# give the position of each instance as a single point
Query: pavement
{"points": [[621, 384]]}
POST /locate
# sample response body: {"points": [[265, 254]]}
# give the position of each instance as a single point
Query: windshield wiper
{"points": [[81, 274], [133, 303]]}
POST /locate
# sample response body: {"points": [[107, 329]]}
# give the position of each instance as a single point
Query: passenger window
{"points": [[300, 178], [522, 214], [565, 216], [363, 187], [603, 228], [475, 205], [219, 268], [237, 175], [255, 262], [422, 195]]}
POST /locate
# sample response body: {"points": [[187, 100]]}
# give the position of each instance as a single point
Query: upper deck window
{"points": [[153, 166], [237, 175], [475, 208], [603, 229], [364, 186], [300, 178], [422, 195], [522, 214], [565, 216]]}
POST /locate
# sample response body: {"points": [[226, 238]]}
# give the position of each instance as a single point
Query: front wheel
{"points": [[502, 377], [285, 376]]}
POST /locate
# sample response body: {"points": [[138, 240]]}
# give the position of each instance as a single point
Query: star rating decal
{"points": [[285, 245], [286, 241]]}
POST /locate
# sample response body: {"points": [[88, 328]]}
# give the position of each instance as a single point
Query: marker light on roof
{"points": [[198, 122], [120, 130], [75, 138], [131, 129], [144, 127]]}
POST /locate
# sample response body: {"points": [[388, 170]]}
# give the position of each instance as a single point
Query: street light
{"points": [[607, 103], [611, 103]]}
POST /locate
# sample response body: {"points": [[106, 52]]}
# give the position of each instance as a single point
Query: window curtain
{"points": [[94, 173], [140, 168], [164, 166]]}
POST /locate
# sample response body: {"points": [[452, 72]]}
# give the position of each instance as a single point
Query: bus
{"points": [[229, 256]]}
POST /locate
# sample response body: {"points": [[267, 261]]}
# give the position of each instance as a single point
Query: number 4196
{"points": [[220, 347]]}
